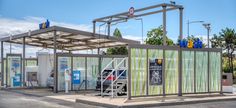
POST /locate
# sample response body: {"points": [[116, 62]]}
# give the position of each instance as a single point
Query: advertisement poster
{"points": [[76, 77], [63, 64], [16, 63], [155, 71], [15, 71]]}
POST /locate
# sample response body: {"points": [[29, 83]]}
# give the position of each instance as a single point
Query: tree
{"points": [[226, 40], [217, 41], [117, 50], [155, 37]]}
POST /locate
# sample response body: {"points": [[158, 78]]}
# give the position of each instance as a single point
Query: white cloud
{"points": [[15, 26], [132, 37], [9, 26]]}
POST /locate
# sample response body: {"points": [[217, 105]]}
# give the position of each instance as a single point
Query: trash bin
{"points": [[227, 83], [227, 79]]}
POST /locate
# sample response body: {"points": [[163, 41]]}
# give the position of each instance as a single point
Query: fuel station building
{"points": [[150, 70]]}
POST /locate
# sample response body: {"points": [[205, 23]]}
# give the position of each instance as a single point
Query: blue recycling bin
{"points": [[76, 77], [17, 80]]}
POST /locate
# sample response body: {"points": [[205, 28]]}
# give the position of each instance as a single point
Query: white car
{"points": [[50, 81]]}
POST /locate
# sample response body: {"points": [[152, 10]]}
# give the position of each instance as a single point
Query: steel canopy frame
{"points": [[55, 35], [67, 39], [144, 12]]}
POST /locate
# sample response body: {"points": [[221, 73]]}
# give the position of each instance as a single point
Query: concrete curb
{"points": [[153, 104]]}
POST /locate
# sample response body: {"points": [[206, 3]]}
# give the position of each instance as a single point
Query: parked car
{"points": [[50, 81], [107, 82]]}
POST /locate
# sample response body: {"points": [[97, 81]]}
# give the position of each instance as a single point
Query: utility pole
{"points": [[190, 22], [142, 27], [208, 27]]}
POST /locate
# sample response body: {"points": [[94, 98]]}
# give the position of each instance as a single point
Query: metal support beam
{"points": [[86, 73], [108, 28], [55, 89], [221, 72], [180, 72], [23, 80], [2, 64], [208, 34], [163, 74], [98, 51], [195, 64], [208, 72], [71, 70], [142, 11], [181, 23], [99, 62], [144, 14], [147, 70], [164, 25], [94, 28], [129, 75]]}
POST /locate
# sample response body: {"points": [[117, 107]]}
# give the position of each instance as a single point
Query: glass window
{"points": [[63, 64], [79, 65], [14, 71], [92, 72], [31, 62]]}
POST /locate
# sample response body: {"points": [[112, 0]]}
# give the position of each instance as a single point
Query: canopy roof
{"points": [[67, 39]]}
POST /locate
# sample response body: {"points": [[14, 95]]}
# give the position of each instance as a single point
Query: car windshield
{"points": [[106, 72]]}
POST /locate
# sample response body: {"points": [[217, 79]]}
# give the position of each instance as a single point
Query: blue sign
{"points": [[16, 80], [44, 25], [76, 77], [196, 44]]}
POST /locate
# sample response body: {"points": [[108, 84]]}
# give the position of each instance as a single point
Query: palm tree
{"points": [[226, 40], [216, 41]]}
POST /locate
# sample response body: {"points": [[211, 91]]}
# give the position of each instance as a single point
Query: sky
{"points": [[17, 16]]}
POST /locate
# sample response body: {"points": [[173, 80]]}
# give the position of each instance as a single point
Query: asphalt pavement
{"points": [[221, 104], [10, 99]]}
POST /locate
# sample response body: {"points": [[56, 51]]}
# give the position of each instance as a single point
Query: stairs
{"points": [[119, 87], [116, 79]]}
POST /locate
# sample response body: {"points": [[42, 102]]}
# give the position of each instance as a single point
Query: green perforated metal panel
{"points": [[138, 72]]}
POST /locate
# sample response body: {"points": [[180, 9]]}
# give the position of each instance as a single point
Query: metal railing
{"points": [[117, 67]]}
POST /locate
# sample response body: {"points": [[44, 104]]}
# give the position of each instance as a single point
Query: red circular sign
{"points": [[131, 11]]}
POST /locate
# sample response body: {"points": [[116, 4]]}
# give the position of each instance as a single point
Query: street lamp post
{"points": [[142, 27], [190, 22], [208, 27]]}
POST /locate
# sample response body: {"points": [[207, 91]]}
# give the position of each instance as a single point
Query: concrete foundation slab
{"points": [[153, 101]]}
